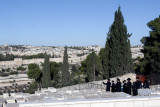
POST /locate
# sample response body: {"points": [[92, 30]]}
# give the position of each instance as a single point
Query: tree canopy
{"points": [[116, 57], [46, 73], [92, 67], [65, 69], [150, 65]]}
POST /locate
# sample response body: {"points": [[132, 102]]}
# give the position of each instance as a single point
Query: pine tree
{"points": [[151, 62], [65, 69], [46, 73], [117, 49], [92, 67]]}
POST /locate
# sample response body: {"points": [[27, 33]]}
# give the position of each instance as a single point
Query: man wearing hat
{"points": [[113, 87], [129, 86], [108, 85], [134, 89], [138, 83], [124, 86], [118, 85]]}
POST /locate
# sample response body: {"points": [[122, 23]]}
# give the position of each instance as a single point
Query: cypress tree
{"points": [[65, 69], [46, 72], [118, 54], [104, 57]]}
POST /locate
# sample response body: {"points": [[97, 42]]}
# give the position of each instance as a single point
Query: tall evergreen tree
{"points": [[117, 48], [65, 69], [104, 57], [46, 73], [55, 74], [92, 67], [151, 61]]}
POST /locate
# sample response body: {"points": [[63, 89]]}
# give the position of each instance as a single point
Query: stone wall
{"points": [[152, 101], [29, 61], [19, 61]]}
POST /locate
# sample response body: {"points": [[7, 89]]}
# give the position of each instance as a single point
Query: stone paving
{"points": [[68, 94]]}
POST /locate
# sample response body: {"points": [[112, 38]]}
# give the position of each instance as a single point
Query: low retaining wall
{"points": [[147, 101]]}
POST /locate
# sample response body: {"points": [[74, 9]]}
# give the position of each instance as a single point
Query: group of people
{"points": [[126, 86]]}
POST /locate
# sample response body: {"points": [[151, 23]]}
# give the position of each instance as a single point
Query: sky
{"points": [[71, 22]]}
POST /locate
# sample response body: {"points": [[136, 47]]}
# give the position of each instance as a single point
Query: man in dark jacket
{"points": [[145, 84], [129, 86], [113, 87], [118, 85], [134, 89], [124, 86], [138, 83], [108, 85]]}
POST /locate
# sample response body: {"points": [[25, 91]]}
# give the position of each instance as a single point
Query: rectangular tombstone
{"points": [[19, 95], [52, 89], [20, 100], [5, 95], [69, 91], [12, 105]]}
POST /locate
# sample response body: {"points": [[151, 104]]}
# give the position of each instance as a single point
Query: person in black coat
{"points": [[134, 89], [145, 84], [113, 87], [129, 86], [108, 85], [118, 85], [124, 86], [138, 83]]}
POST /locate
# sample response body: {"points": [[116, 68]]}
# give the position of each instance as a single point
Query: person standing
{"points": [[108, 85], [113, 87], [134, 89], [138, 83], [145, 84], [118, 85], [124, 86], [129, 86]]}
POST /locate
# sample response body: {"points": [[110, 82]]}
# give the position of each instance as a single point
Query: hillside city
{"points": [[76, 55], [60, 68]]}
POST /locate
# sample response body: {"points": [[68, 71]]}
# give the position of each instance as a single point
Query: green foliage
{"points": [[55, 74], [78, 48], [139, 64], [82, 54], [8, 70], [74, 69], [76, 75], [7, 57], [117, 58], [13, 72], [20, 68], [34, 72], [151, 64], [65, 69], [104, 58], [40, 55], [46, 73], [92, 67], [32, 88]]}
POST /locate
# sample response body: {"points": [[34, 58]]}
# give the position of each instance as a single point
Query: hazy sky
{"points": [[71, 22]]}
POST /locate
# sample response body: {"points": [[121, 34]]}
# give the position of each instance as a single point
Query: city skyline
{"points": [[71, 23]]}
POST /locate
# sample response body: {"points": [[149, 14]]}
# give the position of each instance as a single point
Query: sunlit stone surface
{"points": [[87, 97]]}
